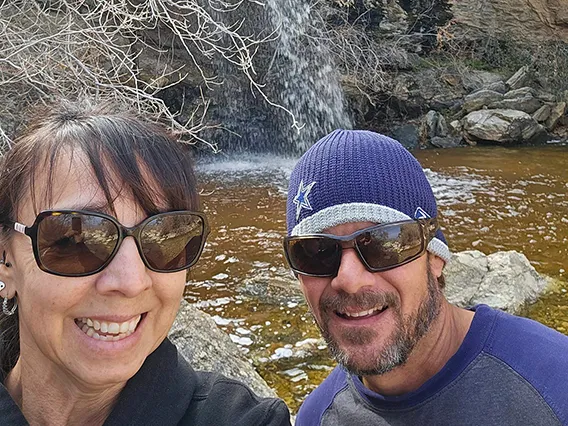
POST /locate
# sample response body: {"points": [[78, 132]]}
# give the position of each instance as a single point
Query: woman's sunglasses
{"points": [[75, 243], [380, 247]]}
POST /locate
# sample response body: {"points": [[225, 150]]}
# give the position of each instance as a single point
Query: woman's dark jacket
{"points": [[167, 391]]}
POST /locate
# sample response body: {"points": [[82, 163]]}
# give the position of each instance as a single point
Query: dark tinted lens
{"points": [[316, 256], [172, 241], [75, 243], [390, 244]]}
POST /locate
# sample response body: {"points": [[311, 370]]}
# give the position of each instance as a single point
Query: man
{"points": [[365, 244]]}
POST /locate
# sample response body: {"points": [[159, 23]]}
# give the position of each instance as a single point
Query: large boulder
{"points": [[502, 126], [503, 280], [205, 347]]}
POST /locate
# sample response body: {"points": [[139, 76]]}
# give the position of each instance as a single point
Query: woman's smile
{"points": [[103, 330]]}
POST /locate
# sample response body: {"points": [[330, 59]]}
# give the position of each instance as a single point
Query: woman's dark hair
{"points": [[126, 153]]}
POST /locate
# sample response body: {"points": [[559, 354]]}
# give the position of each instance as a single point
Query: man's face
{"points": [[372, 321]]}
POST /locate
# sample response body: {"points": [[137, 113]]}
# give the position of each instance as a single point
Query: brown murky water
{"points": [[490, 199]]}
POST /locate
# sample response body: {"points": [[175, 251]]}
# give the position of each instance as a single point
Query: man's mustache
{"points": [[362, 300]]}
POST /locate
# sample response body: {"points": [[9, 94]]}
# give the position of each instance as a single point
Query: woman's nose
{"points": [[126, 273]]}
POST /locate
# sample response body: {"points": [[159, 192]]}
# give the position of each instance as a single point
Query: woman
{"points": [[100, 223]]}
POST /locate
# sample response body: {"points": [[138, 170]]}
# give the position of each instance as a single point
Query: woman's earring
{"points": [[3, 260], [2, 285], [11, 310]]}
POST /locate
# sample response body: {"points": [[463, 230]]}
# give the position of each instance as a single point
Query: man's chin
{"points": [[364, 360]]}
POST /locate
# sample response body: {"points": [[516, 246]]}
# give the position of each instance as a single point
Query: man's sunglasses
{"points": [[380, 247], [75, 243]]}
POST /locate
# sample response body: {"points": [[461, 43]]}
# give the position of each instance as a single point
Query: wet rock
{"points": [[446, 142], [502, 126], [503, 280], [205, 347], [407, 135], [479, 99], [301, 350], [542, 114], [556, 113], [274, 290], [520, 79]]}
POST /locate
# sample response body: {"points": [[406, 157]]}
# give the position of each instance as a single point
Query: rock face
{"points": [[503, 280], [502, 126], [205, 347], [524, 19]]}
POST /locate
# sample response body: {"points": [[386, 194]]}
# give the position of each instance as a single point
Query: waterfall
{"points": [[305, 75], [297, 72]]}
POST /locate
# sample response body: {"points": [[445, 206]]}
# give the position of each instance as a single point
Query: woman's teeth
{"points": [[107, 331]]}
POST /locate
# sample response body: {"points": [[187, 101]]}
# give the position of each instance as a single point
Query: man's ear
{"points": [[436, 265]]}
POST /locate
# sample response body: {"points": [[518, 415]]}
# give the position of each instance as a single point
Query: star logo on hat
{"points": [[301, 198]]}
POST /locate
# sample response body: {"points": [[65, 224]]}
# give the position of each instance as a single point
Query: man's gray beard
{"points": [[407, 334]]}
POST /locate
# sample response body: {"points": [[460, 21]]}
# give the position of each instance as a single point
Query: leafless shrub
{"points": [[109, 49], [364, 60]]}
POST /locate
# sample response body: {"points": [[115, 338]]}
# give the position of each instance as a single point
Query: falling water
{"points": [[308, 81], [297, 73]]}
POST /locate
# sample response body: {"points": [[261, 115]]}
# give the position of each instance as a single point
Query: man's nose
{"points": [[352, 275]]}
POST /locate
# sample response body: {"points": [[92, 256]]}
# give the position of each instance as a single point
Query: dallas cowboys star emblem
{"points": [[301, 198]]}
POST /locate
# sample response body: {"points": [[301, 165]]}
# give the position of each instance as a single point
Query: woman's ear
{"points": [[6, 274]]}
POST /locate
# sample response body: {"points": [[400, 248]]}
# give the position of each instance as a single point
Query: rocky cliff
{"points": [[527, 20]]}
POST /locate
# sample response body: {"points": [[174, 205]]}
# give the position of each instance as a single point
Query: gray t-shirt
{"points": [[509, 371]]}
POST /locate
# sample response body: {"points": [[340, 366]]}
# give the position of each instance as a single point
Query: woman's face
{"points": [[124, 298]]}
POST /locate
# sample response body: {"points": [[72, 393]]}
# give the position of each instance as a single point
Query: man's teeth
{"points": [[107, 331], [364, 313]]}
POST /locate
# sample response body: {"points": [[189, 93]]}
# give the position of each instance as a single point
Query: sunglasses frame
{"points": [[123, 232], [429, 228]]}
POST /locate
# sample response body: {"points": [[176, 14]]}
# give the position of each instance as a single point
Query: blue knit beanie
{"points": [[359, 176]]}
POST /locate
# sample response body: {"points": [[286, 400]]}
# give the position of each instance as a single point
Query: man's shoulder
{"points": [[518, 338], [220, 400], [321, 398], [536, 353]]}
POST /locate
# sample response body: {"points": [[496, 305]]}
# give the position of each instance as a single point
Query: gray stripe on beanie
{"points": [[360, 212]]}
